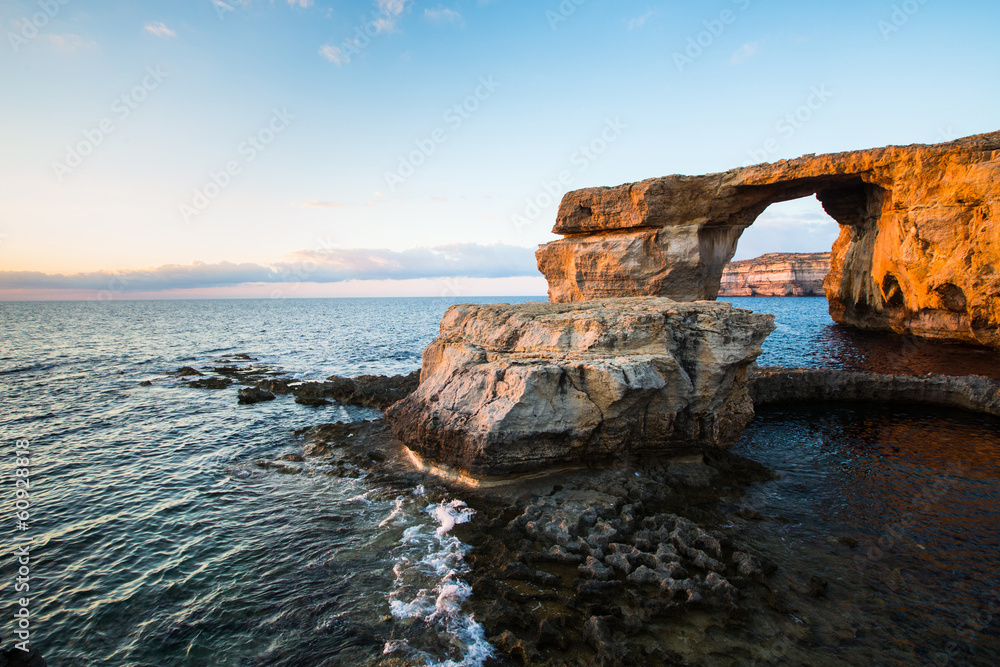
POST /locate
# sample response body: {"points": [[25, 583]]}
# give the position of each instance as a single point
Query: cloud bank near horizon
{"points": [[333, 265]]}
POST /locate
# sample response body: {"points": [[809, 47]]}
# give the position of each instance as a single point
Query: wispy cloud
{"points": [[323, 204], [159, 29], [301, 3], [334, 54], [746, 52], [69, 42], [230, 5], [443, 15], [389, 12], [640, 21], [467, 260]]}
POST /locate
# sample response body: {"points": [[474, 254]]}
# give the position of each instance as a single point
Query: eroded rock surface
{"points": [[777, 274], [918, 245], [508, 388]]}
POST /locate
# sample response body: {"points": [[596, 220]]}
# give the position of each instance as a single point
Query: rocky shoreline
{"points": [[602, 566]]}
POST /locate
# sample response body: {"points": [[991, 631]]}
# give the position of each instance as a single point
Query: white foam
{"points": [[394, 645], [451, 514], [429, 584], [396, 512]]}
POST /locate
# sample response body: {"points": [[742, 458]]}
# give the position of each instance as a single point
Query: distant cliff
{"points": [[777, 274]]}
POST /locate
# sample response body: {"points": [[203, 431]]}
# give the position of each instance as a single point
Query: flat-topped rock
{"points": [[777, 274], [510, 388], [920, 235]]}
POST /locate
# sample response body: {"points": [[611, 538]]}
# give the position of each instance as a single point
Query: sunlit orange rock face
{"points": [[919, 241], [777, 274]]}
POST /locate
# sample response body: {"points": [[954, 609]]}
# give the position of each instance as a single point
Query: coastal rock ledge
{"points": [[513, 388]]}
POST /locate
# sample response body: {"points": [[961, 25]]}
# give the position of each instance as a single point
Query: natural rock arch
{"points": [[916, 253]]}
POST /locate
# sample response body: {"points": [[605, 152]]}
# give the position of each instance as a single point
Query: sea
{"points": [[137, 531]]}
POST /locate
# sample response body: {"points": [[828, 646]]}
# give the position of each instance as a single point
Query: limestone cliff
{"points": [[919, 235], [508, 388], [777, 274]]}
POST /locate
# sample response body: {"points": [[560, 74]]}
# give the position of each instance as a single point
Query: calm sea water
{"points": [[156, 541]]}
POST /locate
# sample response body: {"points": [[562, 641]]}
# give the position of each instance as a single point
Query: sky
{"points": [[228, 148]]}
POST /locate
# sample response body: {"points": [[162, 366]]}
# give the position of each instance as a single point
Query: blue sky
{"points": [[315, 148]]}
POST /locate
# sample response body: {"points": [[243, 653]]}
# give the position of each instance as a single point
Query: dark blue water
{"points": [[806, 337], [156, 541]]}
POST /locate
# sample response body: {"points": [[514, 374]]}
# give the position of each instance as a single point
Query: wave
{"points": [[433, 568], [28, 369]]}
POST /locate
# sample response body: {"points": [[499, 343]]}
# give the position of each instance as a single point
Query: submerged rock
{"points": [[771, 385], [512, 388], [277, 385], [210, 383], [250, 395], [15, 657], [312, 401], [375, 391]]}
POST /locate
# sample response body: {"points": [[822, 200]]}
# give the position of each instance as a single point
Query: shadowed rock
{"points": [[771, 385]]}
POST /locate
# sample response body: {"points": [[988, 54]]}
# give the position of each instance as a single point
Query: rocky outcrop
{"points": [[777, 274], [508, 388], [373, 391], [795, 385], [918, 245]]}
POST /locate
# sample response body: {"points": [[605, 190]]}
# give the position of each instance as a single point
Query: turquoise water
{"points": [[156, 541]]}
